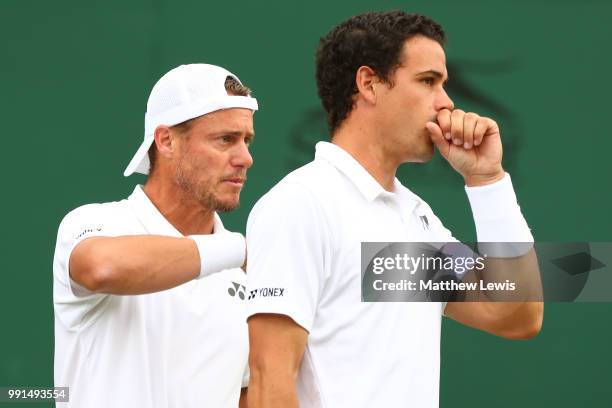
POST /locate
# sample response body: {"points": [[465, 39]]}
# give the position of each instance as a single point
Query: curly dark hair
{"points": [[375, 40]]}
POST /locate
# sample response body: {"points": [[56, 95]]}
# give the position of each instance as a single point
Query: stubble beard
{"points": [[203, 191]]}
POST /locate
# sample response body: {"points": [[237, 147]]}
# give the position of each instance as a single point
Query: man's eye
{"points": [[227, 139], [428, 81]]}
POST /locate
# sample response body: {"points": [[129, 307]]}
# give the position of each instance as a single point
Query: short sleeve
{"points": [[75, 305], [287, 246]]}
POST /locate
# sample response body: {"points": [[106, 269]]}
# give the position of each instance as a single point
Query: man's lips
{"points": [[237, 181]]}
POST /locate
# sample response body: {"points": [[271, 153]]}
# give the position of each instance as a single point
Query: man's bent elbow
{"points": [[529, 326], [526, 332], [91, 268]]}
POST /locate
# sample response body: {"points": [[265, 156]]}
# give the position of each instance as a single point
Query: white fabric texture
{"points": [[183, 347]]}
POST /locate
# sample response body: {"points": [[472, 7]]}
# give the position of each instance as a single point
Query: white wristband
{"points": [[220, 251], [498, 218]]}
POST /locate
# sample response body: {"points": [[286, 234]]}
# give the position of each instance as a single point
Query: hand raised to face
{"points": [[470, 143]]}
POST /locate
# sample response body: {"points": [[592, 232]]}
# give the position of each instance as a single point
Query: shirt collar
{"points": [[359, 176], [153, 221], [343, 161]]}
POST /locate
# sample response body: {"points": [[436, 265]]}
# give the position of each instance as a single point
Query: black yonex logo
{"points": [[236, 288], [266, 292], [424, 222]]}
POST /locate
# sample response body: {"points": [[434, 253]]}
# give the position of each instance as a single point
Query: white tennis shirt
{"points": [[184, 347], [303, 240]]}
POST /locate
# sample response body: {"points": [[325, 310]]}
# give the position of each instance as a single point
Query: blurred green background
{"points": [[75, 76]]}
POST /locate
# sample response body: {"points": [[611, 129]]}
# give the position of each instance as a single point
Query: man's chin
{"points": [[227, 204], [423, 156], [428, 150], [226, 207]]}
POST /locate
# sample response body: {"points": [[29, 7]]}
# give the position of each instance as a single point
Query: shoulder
{"points": [[93, 218], [305, 186], [294, 203]]}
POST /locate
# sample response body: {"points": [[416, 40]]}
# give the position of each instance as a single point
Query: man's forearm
{"points": [[523, 313], [515, 279], [522, 271], [132, 265], [515, 314], [267, 390], [277, 345]]}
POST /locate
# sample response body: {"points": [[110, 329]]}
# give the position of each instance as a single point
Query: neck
{"points": [[367, 147], [182, 211]]}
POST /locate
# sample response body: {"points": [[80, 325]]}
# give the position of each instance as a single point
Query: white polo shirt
{"points": [[303, 240], [183, 347]]}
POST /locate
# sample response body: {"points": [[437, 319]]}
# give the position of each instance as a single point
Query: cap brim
{"points": [[140, 161]]}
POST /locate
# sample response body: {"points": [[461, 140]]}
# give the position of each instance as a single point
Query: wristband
{"points": [[498, 219], [221, 251]]}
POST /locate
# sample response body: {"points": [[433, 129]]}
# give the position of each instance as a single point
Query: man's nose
{"points": [[242, 156], [444, 102]]}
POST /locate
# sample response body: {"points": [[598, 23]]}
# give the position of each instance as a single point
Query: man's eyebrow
{"points": [[434, 73], [233, 133]]}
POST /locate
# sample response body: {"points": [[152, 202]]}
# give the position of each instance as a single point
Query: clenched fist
{"points": [[470, 143]]}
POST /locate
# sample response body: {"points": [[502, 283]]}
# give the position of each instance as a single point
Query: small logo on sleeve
{"points": [[424, 222], [266, 292], [88, 230], [236, 289]]}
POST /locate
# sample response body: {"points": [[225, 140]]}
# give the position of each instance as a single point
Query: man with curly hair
{"points": [[313, 342]]}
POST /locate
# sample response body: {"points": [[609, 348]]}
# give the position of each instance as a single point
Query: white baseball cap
{"points": [[184, 93]]}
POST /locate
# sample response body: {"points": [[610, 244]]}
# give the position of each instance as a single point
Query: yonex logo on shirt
{"points": [[266, 292], [236, 288]]}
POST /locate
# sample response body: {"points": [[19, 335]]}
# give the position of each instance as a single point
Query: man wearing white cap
{"points": [[148, 291]]}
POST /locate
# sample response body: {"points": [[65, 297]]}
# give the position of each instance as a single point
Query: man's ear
{"points": [[367, 81], [164, 141]]}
